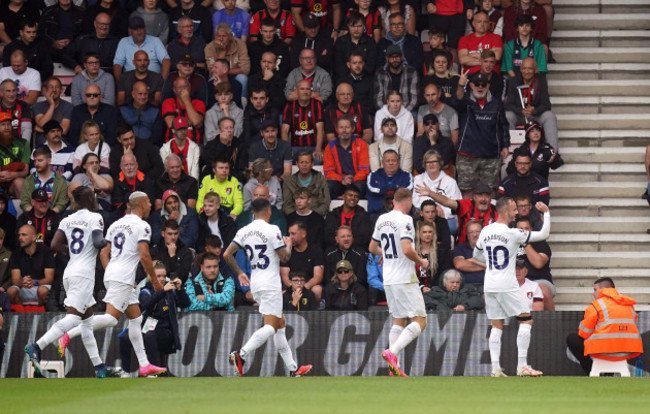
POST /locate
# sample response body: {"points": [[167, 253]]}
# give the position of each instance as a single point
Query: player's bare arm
{"points": [[59, 242], [545, 231], [147, 264], [105, 255], [374, 248], [285, 252], [229, 257], [409, 251]]}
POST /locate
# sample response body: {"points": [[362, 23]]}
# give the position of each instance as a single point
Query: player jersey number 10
{"points": [[493, 257]]}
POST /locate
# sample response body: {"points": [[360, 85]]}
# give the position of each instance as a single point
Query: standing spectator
{"points": [[226, 146], [199, 14], [228, 47], [147, 155], [310, 179], [93, 74], [355, 39], [473, 271], [52, 108], [223, 108], [187, 44], [445, 116], [14, 158], [44, 178], [523, 45], [285, 28], [139, 40], [303, 212], [90, 175], [302, 122], [187, 151], [409, 45], [36, 49], [18, 111], [537, 260], [156, 21], [213, 221], [316, 38], [26, 79], [93, 108], [174, 178], [141, 72], [100, 41], [305, 257], [260, 107], [175, 210], [390, 140], [395, 75], [401, 116], [209, 290], [41, 216], [345, 293], [262, 174], [321, 82], [383, 182], [91, 140], [184, 106], [143, 117], [346, 105], [273, 149], [361, 81], [60, 25], [471, 46], [130, 180], [224, 184], [433, 139], [525, 181], [297, 298], [350, 214], [269, 41], [237, 18], [62, 154], [32, 269], [186, 68]]}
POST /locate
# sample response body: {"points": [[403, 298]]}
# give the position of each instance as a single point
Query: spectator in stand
{"points": [[362, 82], [530, 8], [346, 160], [186, 150], [18, 111], [183, 105], [375, 271], [223, 108], [187, 44], [262, 174], [401, 116], [99, 40], [303, 125], [345, 292], [525, 210], [525, 181], [395, 75], [534, 95], [372, 21], [199, 14], [228, 47], [269, 41], [321, 82], [352, 215], [305, 257], [52, 108], [396, 34], [442, 75], [143, 117], [213, 220], [12, 13], [137, 40], [524, 45], [429, 214], [426, 246], [61, 153], [432, 139], [436, 44], [35, 48], [495, 24], [209, 290], [141, 72], [386, 180], [156, 21], [390, 140], [346, 105], [538, 264], [46, 178], [60, 25], [130, 179], [285, 28], [93, 74], [446, 119], [119, 17], [484, 136], [534, 294], [32, 269], [277, 217], [175, 210], [471, 46], [328, 14], [174, 178], [8, 224], [237, 18], [5, 273], [356, 39], [224, 184], [90, 175], [310, 179], [473, 271], [227, 146], [317, 38], [186, 68], [450, 16], [260, 107], [488, 62], [453, 295], [297, 298], [41, 216], [14, 158], [275, 150], [147, 155], [175, 256], [303, 212], [93, 108], [91, 140], [269, 80], [543, 155]]}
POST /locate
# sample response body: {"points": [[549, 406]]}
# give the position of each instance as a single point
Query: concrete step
{"points": [[605, 138], [598, 71], [631, 277], [606, 242], [600, 104], [597, 225], [632, 155], [585, 295], [601, 54], [599, 6], [600, 207], [605, 21], [600, 38], [603, 121], [600, 172], [582, 260], [613, 87]]}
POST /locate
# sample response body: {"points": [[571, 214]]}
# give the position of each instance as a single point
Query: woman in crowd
{"points": [[426, 246], [262, 174], [394, 109], [453, 295], [90, 175], [441, 74], [91, 140], [389, 7], [345, 293], [544, 156]]}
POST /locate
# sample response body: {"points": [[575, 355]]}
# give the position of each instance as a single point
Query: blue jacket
{"points": [[147, 123], [162, 306], [221, 299], [188, 231], [380, 184], [375, 272], [483, 132]]}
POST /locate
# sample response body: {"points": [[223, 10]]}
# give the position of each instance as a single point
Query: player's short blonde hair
{"points": [[402, 194]]}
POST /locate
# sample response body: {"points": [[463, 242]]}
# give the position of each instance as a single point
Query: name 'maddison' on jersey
{"points": [[260, 240], [124, 236], [78, 229], [391, 228], [499, 245]]}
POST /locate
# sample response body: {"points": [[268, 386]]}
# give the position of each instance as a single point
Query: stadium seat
{"points": [[55, 366], [604, 367]]}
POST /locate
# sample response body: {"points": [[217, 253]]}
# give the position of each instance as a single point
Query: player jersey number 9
{"points": [[390, 250], [263, 260], [118, 242], [493, 257]]}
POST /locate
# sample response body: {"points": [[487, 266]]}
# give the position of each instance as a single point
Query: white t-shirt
{"points": [[499, 244], [78, 229], [29, 80], [124, 236], [260, 240], [532, 291], [390, 229]]}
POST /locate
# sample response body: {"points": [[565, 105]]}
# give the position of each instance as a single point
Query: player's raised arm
{"points": [[229, 257], [537, 236], [284, 253]]}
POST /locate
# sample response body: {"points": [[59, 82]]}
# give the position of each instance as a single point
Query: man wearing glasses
{"points": [[411, 47], [187, 44], [93, 74], [321, 82], [525, 181], [93, 108], [100, 40]]}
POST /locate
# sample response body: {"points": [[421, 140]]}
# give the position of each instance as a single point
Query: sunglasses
{"points": [[340, 271], [481, 84], [92, 95]]}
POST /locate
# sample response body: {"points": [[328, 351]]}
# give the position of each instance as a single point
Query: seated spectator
{"points": [[174, 209], [257, 111], [5, 273], [174, 178], [303, 212], [525, 210], [224, 184], [188, 151], [473, 271], [403, 119], [5, 310], [453, 295], [61, 153], [534, 91], [390, 140], [147, 155], [93, 74], [534, 295], [156, 21], [471, 46], [52, 108], [432, 139], [303, 122], [316, 38], [14, 157], [187, 45], [375, 271], [227, 146], [285, 28], [488, 63], [8, 224], [175, 256], [213, 220], [396, 34], [495, 24], [538, 264], [262, 174], [358, 39], [273, 149], [119, 18], [209, 290], [406, 76], [237, 18], [277, 217], [91, 141], [429, 214], [98, 40], [44, 177], [18, 111], [130, 179], [525, 181], [386, 180], [529, 8], [311, 179], [186, 67], [140, 72], [372, 20], [89, 175], [183, 105], [543, 155], [199, 14], [346, 160], [33, 45], [346, 105], [219, 74], [228, 47], [143, 117], [445, 116], [306, 258], [103, 114], [426, 246], [61, 23], [137, 40], [32, 269], [296, 297], [41, 216], [442, 75], [269, 79], [352, 215], [223, 108], [523, 45], [437, 43], [361, 81], [321, 82], [345, 293], [26, 79], [269, 41]]}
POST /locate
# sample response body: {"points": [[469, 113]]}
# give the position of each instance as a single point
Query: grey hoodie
{"points": [[104, 80]]}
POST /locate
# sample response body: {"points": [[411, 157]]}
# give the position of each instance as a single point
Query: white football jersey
{"points": [[532, 291], [78, 229], [260, 240], [499, 245], [391, 228], [124, 236]]}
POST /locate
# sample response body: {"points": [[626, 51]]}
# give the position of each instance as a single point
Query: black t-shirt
{"points": [[544, 272], [34, 265], [306, 260], [395, 80], [315, 227]]}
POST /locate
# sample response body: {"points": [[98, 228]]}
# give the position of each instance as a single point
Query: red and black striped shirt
{"points": [[355, 111], [302, 122]]}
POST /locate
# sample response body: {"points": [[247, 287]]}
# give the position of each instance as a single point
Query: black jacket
{"points": [[354, 298], [148, 157], [361, 228], [344, 47], [162, 306], [51, 21], [357, 258], [257, 48], [37, 53], [227, 228]]}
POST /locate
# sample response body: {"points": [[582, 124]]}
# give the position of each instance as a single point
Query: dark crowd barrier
{"points": [[336, 343]]}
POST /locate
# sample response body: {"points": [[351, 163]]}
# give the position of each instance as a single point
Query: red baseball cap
{"points": [[180, 122], [4, 116]]}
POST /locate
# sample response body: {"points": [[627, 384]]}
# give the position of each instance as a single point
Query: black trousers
{"points": [[577, 347], [157, 343]]}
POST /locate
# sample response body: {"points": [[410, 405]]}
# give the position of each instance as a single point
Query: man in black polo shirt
{"points": [[32, 269], [304, 257], [273, 149]]}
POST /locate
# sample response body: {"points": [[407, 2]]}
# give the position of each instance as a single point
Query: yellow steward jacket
{"points": [[609, 327]]}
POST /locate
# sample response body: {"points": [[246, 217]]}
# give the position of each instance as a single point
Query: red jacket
{"points": [[360, 160]]}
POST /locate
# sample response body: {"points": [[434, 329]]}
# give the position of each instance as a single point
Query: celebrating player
{"points": [[84, 233], [503, 298], [393, 239], [128, 244], [265, 247]]}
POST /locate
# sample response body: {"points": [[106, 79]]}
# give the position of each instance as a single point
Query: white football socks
{"points": [[409, 333], [495, 347], [256, 340], [89, 342], [393, 335], [281, 344], [57, 330], [135, 335], [99, 322], [523, 342]]}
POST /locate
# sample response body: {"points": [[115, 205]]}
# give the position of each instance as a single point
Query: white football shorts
{"points": [[503, 305], [405, 300], [79, 293], [270, 302], [120, 295]]}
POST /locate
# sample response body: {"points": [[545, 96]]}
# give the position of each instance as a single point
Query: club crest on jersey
{"points": [[278, 236], [229, 190], [147, 230], [408, 227], [529, 294]]}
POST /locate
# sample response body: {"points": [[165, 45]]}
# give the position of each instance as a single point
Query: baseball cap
{"points": [[310, 20], [40, 195], [344, 264], [180, 122], [533, 125], [521, 262], [187, 58], [4, 116], [393, 50], [50, 125], [268, 123], [481, 188], [387, 120], [479, 77], [170, 193], [430, 118], [136, 22]]}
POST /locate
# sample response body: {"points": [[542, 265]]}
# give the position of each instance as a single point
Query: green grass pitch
{"points": [[353, 395]]}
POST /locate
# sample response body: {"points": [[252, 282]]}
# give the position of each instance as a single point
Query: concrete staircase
{"points": [[600, 88]]}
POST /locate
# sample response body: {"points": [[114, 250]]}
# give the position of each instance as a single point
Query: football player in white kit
{"points": [[265, 247], [82, 233], [393, 240], [497, 247], [128, 245]]}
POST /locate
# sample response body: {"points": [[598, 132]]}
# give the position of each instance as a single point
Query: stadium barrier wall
{"points": [[336, 343]]}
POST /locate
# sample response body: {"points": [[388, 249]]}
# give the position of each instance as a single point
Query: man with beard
{"points": [[153, 80], [14, 158]]}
